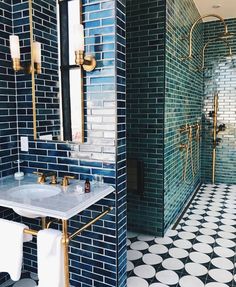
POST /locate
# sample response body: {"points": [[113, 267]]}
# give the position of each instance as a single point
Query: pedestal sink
{"points": [[32, 192]]}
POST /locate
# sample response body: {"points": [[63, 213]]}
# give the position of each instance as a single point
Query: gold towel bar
{"points": [[73, 235]]}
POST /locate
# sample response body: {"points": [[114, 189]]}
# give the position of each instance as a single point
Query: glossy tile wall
{"points": [[163, 94], [220, 77], [183, 105], [145, 110], [98, 257]]}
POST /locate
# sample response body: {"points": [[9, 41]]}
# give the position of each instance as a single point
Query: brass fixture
{"points": [[15, 55], [66, 238], [51, 222], [204, 50], [183, 146], [87, 62], [188, 147], [42, 176], [216, 104], [224, 36], [43, 222], [54, 179], [65, 181]]}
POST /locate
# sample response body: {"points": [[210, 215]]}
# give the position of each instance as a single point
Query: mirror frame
{"points": [[64, 71]]}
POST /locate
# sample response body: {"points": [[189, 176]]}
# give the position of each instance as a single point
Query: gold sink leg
{"points": [[43, 222], [65, 242]]}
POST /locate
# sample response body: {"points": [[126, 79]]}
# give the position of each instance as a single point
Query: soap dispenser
{"points": [[19, 174]]}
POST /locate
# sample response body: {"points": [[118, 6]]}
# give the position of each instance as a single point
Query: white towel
{"points": [[50, 258], [11, 247]]}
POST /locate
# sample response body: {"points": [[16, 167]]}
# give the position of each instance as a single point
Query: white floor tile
{"points": [[190, 281], [145, 271], [222, 276], [167, 277]]}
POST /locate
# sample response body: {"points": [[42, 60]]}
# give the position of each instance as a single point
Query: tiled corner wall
{"points": [[121, 143], [163, 94], [183, 104], [98, 256], [145, 110], [8, 128], [220, 77]]}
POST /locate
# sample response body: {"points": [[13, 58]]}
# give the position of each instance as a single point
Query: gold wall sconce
{"points": [[87, 62], [225, 36], [15, 55]]}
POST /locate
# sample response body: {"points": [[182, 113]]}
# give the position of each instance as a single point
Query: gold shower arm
{"points": [[190, 37], [204, 50]]}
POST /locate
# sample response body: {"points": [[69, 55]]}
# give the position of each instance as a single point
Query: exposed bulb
{"points": [[37, 52], [15, 47]]}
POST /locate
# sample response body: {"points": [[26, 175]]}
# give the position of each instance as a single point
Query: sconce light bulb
{"points": [[37, 52], [15, 47], [79, 37]]}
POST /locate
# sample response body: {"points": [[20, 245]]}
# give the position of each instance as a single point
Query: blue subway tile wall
{"points": [[8, 124], [183, 105], [98, 256], [145, 110], [219, 77]]}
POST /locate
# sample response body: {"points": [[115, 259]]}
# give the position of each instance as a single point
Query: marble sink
{"points": [[33, 192], [28, 198]]}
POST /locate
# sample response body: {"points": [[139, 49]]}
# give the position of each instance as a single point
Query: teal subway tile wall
{"points": [[145, 110], [220, 77], [183, 105], [163, 94]]}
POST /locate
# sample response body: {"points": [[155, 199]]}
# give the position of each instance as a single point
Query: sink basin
{"points": [[32, 192]]}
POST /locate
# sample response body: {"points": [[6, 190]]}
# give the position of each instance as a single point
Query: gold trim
{"points": [[33, 71], [216, 99], [90, 63], [190, 36], [72, 236], [65, 242]]}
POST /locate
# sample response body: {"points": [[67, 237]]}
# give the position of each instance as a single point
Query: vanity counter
{"points": [[63, 205]]}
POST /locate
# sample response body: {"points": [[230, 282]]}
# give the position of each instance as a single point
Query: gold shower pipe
{"points": [[205, 47], [190, 37], [66, 238], [216, 99], [187, 127]]}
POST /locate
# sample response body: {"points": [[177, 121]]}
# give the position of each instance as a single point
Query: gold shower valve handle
{"points": [[183, 146], [65, 181]]}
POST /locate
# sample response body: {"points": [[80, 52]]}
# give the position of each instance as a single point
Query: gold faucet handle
{"points": [[53, 179], [65, 180], [41, 177]]}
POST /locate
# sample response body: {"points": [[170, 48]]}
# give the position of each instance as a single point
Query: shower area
{"points": [[181, 109]]}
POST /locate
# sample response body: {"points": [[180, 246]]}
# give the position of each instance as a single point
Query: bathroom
{"points": [[143, 104]]}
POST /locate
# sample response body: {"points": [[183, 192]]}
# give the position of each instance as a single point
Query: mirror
{"points": [[58, 102]]}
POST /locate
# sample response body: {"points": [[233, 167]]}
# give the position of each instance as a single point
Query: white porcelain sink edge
{"points": [[62, 205]]}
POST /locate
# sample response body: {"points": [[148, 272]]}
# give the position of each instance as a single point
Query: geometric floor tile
{"points": [[199, 253]]}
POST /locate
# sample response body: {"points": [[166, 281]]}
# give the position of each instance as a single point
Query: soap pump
{"points": [[19, 174]]}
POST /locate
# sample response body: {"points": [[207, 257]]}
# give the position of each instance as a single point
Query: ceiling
{"points": [[227, 8]]}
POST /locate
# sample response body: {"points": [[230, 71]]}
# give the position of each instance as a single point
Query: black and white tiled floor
{"points": [[199, 253]]}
